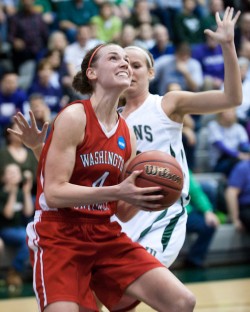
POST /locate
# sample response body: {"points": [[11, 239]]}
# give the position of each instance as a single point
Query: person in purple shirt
{"points": [[28, 34], [237, 196], [228, 142], [209, 54], [12, 99]]}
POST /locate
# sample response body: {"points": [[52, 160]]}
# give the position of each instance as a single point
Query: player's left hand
{"points": [[225, 27]]}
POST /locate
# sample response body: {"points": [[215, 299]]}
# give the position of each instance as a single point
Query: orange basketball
{"points": [[159, 169]]}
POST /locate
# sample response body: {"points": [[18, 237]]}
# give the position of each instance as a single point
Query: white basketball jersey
{"points": [[162, 233], [155, 131]]}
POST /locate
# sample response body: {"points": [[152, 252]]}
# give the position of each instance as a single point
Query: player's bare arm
{"points": [[176, 104]]}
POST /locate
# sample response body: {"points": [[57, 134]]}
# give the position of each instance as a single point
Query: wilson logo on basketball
{"points": [[162, 173]]}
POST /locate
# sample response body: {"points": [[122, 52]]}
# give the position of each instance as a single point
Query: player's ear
{"points": [[91, 74], [151, 73]]}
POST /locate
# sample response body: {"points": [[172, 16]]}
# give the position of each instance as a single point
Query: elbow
{"points": [[122, 217], [238, 100], [125, 211], [235, 98], [51, 199], [234, 101]]}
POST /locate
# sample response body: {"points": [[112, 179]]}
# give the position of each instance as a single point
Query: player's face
{"points": [[112, 68], [141, 73]]}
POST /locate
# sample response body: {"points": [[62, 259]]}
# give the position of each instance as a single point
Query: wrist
{"points": [[228, 45], [37, 147]]}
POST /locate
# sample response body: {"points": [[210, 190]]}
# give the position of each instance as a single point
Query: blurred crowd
{"points": [[42, 43]]}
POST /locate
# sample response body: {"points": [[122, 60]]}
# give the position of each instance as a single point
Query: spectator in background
{"points": [[162, 44], [40, 110], [7, 9], [201, 8], [61, 77], [144, 37], [228, 142], [142, 14], [4, 46], [107, 26], [237, 195], [14, 151], [187, 25], [245, 5], [202, 221], [179, 68], [12, 99], [75, 51], [242, 34], [209, 20], [28, 35], [75, 13], [53, 95], [243, 111], [44, 7], [57, 41], [59, 67], [121, 8], [128, 36], [3, 24], [11, 6], [166, 11], [16, 205], [210, 56]]}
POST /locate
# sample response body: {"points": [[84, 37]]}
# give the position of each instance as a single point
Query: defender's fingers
{"points": [[21, 119], [32, 120], [217, 18], [9, 130], [236, 17], [45, 128], [226, 14], [230, 14]]}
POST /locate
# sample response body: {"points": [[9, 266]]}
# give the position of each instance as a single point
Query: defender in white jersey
{"points": [[157, 122], [162, 233]]}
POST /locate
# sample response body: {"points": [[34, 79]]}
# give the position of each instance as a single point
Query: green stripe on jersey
{"points": [[170, 228], [167, 233], [161, 216]]}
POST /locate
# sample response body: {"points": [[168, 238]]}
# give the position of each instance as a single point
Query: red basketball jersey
{"points": [[99, 161]]}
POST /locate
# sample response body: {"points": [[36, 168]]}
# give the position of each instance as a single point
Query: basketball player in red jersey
{"points": [[75, 249]]}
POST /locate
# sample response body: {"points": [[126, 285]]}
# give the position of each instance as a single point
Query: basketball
{"points": [[159, 169]]}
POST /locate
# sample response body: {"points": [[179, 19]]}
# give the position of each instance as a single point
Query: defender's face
{"points": [[141, 73]]}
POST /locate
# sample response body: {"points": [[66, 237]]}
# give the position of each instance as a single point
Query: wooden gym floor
{"points": [[217, 289], [214, 296]]}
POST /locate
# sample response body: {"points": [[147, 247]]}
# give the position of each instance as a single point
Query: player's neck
{"points": [[135, 101]]}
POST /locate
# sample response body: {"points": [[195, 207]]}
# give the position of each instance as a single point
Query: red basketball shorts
{"points": [[72, 256]]}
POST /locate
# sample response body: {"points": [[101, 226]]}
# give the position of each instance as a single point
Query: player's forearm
{"points": [[71, 195], [232, 80]]}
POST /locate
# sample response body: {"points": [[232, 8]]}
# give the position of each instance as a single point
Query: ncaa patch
{"points": [[121, 143]]}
